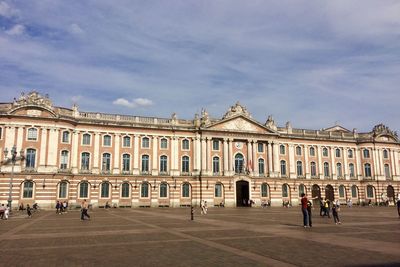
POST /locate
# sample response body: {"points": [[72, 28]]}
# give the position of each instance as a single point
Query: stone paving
{"points": [[368, 236]]}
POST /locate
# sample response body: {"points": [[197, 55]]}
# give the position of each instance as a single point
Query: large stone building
{"points": [[131, 161]]}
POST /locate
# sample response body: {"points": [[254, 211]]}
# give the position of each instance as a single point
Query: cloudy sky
{"points": [[313, 63]]}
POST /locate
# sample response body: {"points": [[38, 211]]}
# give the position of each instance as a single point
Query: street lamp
{"points": [[12, 159]]}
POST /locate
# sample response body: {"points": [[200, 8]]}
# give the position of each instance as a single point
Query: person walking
{"points": [[309, 206], [58, 207], [65, 206], [6, 213], [335, 213], [84, 209], [304, 201], [28, 211], [398, 206]]}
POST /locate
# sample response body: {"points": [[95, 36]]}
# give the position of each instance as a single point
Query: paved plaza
{"points": [[368, 236]]}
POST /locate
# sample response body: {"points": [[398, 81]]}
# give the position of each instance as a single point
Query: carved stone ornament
{"points": [[382, 129], [32, 98], [237, 109]]}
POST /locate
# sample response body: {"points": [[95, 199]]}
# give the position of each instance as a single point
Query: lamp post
{"points": [[13, 159]]}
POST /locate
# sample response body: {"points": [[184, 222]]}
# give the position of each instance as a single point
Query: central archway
{"points": [[329, 192], [242, 193]]}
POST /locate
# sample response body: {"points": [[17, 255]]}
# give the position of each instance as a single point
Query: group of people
{"points": [[4, 212], [325, 207], [61, 207]]}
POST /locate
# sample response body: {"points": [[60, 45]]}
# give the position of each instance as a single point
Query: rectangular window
{"points": [[107, 140], [86, 139], [260, 147], [164, 143], [65, 137], [216, 145], [185, 144], [218, 190], [126, 141], [145, 142], [32, 134]]}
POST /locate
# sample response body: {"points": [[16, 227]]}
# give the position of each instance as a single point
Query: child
{"points": [[335, 210]]}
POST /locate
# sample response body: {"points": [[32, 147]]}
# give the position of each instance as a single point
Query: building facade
{"points": [[131, 161]]}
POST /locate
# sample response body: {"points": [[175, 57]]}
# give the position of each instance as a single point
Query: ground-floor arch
{"points": [[242, 193]]}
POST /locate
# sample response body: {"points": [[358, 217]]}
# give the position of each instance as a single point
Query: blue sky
{"points": [[313, 63]]}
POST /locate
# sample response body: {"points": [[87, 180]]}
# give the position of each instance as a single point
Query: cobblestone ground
{"points": [[368, 236]]}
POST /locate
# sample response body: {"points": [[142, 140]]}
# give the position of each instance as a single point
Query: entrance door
{"points": [[329, 194], [242, 193], [390, 194]]}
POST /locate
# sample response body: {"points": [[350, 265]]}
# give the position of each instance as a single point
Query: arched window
{"points": [[325, 152], [185, 190], [337, 153], [145, 142], [282, 149], [65, 137], [367, 170], [354, 191], [283, 168], [313, 168], [387, 171], [342, 191], [28, 189], [106, 162], [218, 190], [126, 162], [264, 190], [298, 150], [107, 140], [32, 134], [83, 190], [86, 139], [370, 191], [385, 154], [285, 190], [302, 189], [312, 151], [62, 190], [261, 166], [351, 169], [64, 160], [145, 163], [105, 190], [164, 143], [144, 189], [185, 144], [216, 165], [350, 153], [30, 159], [163, 164], [85, 161], [326, 169], [125, 188], [126, 141], [339, 170], [366, 153], [239, 163], [185, 164], [163, 190], [299, 168]]}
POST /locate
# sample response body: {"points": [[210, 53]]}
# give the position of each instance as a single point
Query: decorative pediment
{"points": [[32, 104], [240, 124], [337, 128], [383, 133], [236, 110]]}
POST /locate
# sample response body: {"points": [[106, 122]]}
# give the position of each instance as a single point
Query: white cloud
{"points": [[16, 30], [138, 102], [6, 10], [76, 29]]}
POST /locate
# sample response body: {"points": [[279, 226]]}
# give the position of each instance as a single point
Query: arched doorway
{"points": [[239, 163], [390, 194], [316, 195], [329, 193], [242, 193]]}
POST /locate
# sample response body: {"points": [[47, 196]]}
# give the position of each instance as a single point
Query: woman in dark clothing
{"points": [[28, 210], [335, 213]]}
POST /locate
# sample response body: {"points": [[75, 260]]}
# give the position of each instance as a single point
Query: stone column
{"points": [[176, 155], [230, 157], [42, 153], [392, 162], [53, 153], [9, 139], [96, 153], [275, 149], [269, 152], [135, 154], [74, 152], [306, 165], [226, 166], [320, 165], [249, 162], [396, 162], [117, 167], [375, 161], [255, 159], [20, 139], [196, 155], [209, 160], [292, 170], [345, 163], [204, 155], [333, 156], [359, 167]]}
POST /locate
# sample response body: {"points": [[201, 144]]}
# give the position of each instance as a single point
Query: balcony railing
{"points": [[186, 173], [145, 172], [64, 170], [85, 171], [30, 169], [166, 173], [126, 172]]}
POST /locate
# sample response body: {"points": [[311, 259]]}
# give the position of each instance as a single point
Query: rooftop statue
{"points": [[237, 109], [32, 98]]}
